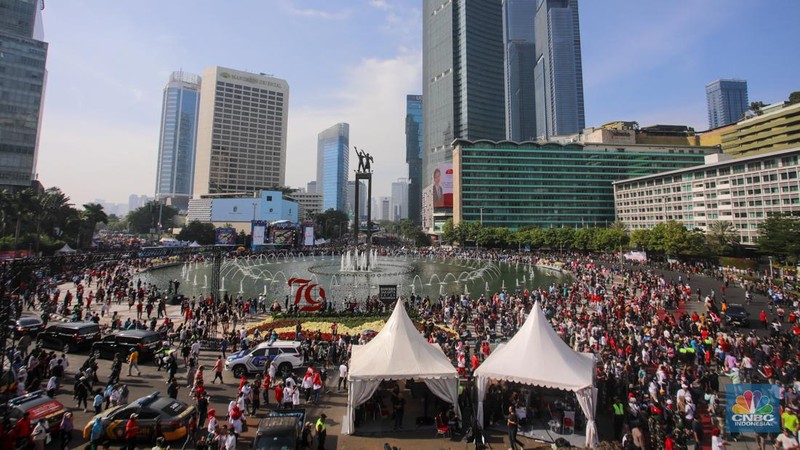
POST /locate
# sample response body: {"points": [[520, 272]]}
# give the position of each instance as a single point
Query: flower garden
{"points": [[351, 325]]}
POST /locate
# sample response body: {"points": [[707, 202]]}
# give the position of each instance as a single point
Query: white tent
{"points": [[66, 249], [398, 352], [536, 355]]}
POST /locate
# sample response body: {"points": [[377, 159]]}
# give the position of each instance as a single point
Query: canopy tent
{"points": [[66, 249], [398, 352], [536, 355]]}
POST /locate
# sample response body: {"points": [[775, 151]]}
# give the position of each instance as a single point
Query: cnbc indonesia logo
{"points": [[752, 409]]}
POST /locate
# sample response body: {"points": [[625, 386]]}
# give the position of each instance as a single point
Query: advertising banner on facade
{"points": [[259, 231], [387, 293], [308, 236], [225, 236], [443, 186], [752, 408]]}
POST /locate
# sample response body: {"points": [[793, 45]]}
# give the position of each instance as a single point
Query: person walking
{"points": [[321, 430], [65, 429], [512, 421], [342, 377], [133, 362], [39, 434], [218, 367], [131, 430]]}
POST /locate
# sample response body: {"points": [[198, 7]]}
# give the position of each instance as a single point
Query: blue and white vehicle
{"points": [[286, 354]]}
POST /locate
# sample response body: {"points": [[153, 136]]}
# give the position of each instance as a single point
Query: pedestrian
{"points": [[399, 406], [342, 377], [39, 434], [65, 429], [213, 423], [321, 430], [131, 431], [172, 389], [97, 402], [202, 409], [306, 438], [133, 362], [512, 421], [218, 367]]}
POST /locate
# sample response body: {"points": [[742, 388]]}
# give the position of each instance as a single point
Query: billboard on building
{"points": [[442, 180], [259, 232], [225, 236], [308, 236]]}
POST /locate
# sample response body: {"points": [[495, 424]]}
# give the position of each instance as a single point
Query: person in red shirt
{"points": [[279, 395], [762, 316], [22, 431], [131, 430], [265, 388]]}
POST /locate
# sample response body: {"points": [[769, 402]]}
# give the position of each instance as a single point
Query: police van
{"points": [[287, 355]]}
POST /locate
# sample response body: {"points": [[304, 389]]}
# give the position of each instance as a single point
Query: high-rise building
{"points": [[311, 187], [22, 83], [558, 73], [519, 48], [178, 139], [399, 206], [727, 102], [241, 133], [333, 150], [414, 146], [385, 207], [350, 206], [462, 66]]}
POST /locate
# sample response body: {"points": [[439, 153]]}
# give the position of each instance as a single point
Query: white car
{"points": [[287, 354]]}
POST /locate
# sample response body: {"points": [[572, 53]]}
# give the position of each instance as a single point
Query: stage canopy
{"points": [[537, 356], [398, 352]]}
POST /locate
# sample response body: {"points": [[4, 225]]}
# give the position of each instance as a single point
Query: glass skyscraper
{"points": [[333, 155], [519, 42], [178, 139], [463, 87], [22, 81], [727, 102], [414, 147], [558, 75]]}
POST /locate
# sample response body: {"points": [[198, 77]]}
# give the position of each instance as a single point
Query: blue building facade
{"points": [[269, 206], [178, 139], [558, 75], [22, 82], [414, 146], [519, 45], [727, 102], [333, 155]]}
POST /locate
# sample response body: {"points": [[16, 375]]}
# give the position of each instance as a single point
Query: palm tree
{"points": [[21, 205], [722, 236], [93, 214]]}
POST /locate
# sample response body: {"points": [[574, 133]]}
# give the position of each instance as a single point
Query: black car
{"points": [[31, 325], [280, 430], [737, 316], [174, 415], [69, 335], [146, 341]]}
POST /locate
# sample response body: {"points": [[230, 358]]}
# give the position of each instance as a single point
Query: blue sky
{"points": [[354, 61]]}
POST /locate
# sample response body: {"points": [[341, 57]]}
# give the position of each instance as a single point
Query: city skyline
{"points": [[658, 77]]}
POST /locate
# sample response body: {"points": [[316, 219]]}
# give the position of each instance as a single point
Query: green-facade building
{"points": [[537, 184]]}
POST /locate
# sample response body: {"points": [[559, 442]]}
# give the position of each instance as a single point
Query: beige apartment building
{"points": [[743, 191], [241, 133]]}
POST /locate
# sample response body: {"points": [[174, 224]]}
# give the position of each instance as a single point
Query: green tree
{"points": [[640, 238], [779, 236], [142, 220], [794, 97], [332, 224], [722, 237], [448, 231], [584, 238], [201, 232], [92, 215]]}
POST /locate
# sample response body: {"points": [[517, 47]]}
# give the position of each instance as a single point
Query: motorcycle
{"points": [[163, 356]]}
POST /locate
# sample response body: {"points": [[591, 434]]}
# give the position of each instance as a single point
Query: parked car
{"points": [[287, 355], [737, 316], [26, 324], [38, 405], [146, 341], [175, 417], [280, 430], [71, 336]]}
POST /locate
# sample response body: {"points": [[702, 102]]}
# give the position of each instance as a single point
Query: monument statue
{"points": [[364, 160]]}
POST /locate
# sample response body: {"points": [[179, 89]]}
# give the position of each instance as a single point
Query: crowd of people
{"points": [[661, 344]]}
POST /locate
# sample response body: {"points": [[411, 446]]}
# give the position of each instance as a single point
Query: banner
{"points": [[308, 236], [387, 293], [636, 256], [258, 234], [443, 186], [752, 408], [225, 236]]}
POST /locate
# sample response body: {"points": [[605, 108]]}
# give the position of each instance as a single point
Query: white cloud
{"points": [[380, 4], [316, 13], [372, 100]]}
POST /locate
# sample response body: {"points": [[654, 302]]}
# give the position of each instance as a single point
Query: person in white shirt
{"points": [[39, 434], [227, 440], [342, 377], [786, 440]]}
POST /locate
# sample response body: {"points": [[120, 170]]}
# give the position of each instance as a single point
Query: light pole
{"points": [[771, 274]]}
